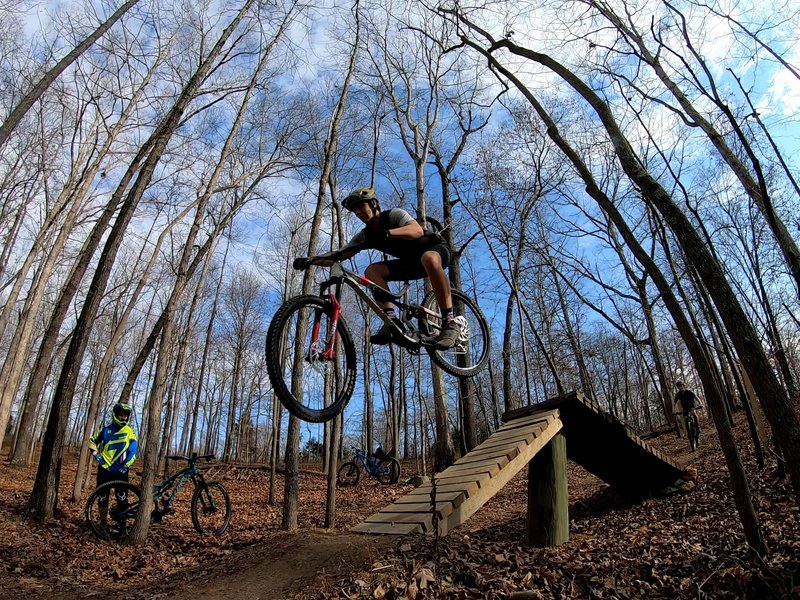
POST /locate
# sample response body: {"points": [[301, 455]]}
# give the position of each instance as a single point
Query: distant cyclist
{"points": [[417, 255], [114, 447], [688, 403]]}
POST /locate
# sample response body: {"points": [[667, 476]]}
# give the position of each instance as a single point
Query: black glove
{"points": [[376, 236], [301, 263]]}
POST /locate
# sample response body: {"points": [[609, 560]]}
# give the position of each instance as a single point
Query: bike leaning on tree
{"points": [[210, 504], [384, 468], [311, 356]]}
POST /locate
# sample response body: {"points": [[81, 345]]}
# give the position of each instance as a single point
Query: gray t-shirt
{"points": [[396, 217]]}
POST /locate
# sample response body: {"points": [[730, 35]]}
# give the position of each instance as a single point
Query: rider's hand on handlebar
{"points": [[301, 263]]}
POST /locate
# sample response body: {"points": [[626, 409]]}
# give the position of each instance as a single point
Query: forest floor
{"points": [[685, 545]]}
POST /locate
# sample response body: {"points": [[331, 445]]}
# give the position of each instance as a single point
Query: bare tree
{"points": [[39, 88]]}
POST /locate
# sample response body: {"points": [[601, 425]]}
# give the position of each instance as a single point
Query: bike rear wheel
{"points": [[471, 352], [123, 504], [211, 509], [311, 386], [348, 474], [388, 470]]}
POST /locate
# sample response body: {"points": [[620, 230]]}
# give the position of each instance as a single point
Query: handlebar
{"points": [[301, 263]]}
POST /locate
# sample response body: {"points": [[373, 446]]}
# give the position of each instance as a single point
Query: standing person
{"points": [[417, 255], [114, 447], [687, 401]]}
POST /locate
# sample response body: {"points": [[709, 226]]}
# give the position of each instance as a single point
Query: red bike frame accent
{"points": [[332, 323]]}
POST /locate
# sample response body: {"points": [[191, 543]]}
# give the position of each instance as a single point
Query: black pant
{"points": [[104, 476]]}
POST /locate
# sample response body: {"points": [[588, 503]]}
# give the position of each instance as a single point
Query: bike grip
{"points": [[301, 263]]}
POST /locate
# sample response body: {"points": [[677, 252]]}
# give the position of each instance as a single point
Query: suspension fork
{"points": [[336, 310]]}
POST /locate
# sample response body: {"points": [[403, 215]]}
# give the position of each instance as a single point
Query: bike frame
{"points": [[370, 464], [171, 486], [162, 489], [338, 276]]}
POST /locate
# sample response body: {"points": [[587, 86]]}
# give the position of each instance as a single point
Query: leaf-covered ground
{"points": [[686, 545]]}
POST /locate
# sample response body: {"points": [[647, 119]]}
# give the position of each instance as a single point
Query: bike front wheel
{"points": [[211, 509], [693, 432], [388, 470], [115, 521], [471, 352], [348, 474], [312, 384]]}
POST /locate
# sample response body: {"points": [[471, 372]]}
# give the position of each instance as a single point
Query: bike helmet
{"points": [[121, 409], [360, 195]]}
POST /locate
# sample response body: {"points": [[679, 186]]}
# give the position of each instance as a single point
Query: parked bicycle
{"points": [[210, 507], [692, 427], [385, 469], [311, 357]]}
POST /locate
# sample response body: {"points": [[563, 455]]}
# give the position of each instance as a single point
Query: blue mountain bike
{"points": [[385, 469]]}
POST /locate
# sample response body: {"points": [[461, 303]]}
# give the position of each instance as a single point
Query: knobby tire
{"points": [[296, 374], [117, 526], [211, 509], [456, 361], [348, 474], [388, 470]]}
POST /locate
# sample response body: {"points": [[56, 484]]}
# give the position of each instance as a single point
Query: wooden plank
{"points": [[388, 528], [467, 478], [424, 520], [499, 461], [474, 502], [442, 508], [508, 437], [468, 488], [546, 416], [477, 454], [451, 497], [491, 468]]}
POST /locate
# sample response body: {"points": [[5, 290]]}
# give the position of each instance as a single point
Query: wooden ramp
{"points": [[470, 482], [595, 440], [606, 447]]}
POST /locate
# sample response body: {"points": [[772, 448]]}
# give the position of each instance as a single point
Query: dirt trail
{"points": [[278, 569]]}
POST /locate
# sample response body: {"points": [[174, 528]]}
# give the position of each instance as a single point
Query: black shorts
{"points": [[410, 268]]}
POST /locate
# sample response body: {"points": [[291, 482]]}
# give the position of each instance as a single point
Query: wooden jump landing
{"points": [[470, 482], [607, 448], [597, 441]]}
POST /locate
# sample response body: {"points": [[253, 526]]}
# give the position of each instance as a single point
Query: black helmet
{"points": [[678, 384], [120, 409], [359, 195]]}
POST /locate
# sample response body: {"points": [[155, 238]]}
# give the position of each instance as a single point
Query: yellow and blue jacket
{"points": [[115, 446]]}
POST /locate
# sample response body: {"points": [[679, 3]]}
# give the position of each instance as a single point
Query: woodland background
{"points": [[618, 182]]}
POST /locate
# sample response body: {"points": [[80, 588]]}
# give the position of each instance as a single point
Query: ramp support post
{"points": [[548, 504]]}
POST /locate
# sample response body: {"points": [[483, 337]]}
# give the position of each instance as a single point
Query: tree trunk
{"points": [[39, 88]]}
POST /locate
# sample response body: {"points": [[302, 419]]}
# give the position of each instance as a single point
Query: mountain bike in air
{"points": [[210, 508], [311, 356]]}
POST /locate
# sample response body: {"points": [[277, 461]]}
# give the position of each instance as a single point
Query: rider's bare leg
{"points": [[448, 336], [377, 273], [432, 262]]}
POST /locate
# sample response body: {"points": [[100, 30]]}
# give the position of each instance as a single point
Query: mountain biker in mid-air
{"points": [[417, 255]]}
